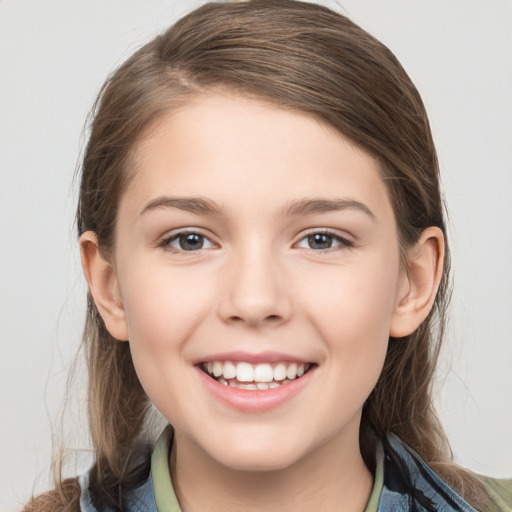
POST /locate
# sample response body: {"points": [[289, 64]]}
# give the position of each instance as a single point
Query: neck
{"points": [[332, 478]]}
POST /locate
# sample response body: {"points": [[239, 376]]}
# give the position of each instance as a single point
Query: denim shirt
{"points": [[403, 483]]}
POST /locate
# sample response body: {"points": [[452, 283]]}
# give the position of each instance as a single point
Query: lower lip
{"points": [[246, 400]]}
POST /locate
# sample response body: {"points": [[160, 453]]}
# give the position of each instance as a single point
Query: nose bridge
{"points": [[255, 291]]}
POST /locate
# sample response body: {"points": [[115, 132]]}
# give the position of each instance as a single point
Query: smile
{"points": [[247, 376]]}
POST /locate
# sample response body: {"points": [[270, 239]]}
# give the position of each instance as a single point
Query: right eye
{"points": [[187, 241]]}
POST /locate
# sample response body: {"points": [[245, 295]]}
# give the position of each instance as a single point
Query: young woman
{"points": [[262, 233]]}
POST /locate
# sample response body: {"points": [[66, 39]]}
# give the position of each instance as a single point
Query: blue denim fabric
{"points": [[409, 486], [141, 499]]}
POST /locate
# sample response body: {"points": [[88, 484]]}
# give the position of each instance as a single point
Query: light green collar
{"points": [[165, 497], [378, 482]]}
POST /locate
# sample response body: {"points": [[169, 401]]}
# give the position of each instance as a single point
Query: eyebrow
{"points": [[301, 207], [309, 206], [197, 205]]}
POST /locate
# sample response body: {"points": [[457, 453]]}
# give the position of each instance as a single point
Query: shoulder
{"points": [[500, 491]]}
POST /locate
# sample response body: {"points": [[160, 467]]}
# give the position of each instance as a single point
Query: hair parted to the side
{"points": [[303, 57]]}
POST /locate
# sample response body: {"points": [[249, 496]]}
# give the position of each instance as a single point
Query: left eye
{"points": [[323, 241], [188, 242]]}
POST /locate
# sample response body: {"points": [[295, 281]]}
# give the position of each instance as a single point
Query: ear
{"points": [[419, 283], [103, 285]]}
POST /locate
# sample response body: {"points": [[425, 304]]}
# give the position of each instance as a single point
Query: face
{"points": [[258, 267]]}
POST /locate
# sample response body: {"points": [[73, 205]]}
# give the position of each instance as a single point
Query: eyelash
{"points": [[165, 243], [343, 242]]}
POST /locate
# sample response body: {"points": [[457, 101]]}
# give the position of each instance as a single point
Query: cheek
{"points": [[162, 307], [351, 313], [352, 303], [162, 314]]}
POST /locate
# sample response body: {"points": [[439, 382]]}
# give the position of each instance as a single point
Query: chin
{"points": [[263, 452], [258, 462]]}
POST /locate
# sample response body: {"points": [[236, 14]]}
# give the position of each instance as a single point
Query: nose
{"points": [[255, 293]]}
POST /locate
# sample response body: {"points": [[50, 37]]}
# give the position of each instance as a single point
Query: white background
{"points": [[55, 54]]}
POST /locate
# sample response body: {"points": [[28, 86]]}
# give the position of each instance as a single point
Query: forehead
{"points": [[242, 150]]}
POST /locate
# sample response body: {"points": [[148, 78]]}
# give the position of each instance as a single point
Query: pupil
{"points": [[320, 241], [191, 242]]}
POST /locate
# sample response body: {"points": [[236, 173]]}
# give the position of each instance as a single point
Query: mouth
{"points": [[255, 377]]}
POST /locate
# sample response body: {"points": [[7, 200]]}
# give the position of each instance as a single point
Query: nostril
{"points": [[254, 320]]}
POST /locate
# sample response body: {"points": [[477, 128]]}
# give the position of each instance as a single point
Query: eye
{"points": [[187, 241], [323, 240]]}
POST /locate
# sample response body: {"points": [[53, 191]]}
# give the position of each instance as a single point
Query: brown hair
{"points": [[304, 57]]}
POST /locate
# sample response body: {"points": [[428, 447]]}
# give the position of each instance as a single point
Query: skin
{"points": [[258, 284]]}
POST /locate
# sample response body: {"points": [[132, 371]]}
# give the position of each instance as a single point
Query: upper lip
{"points": [[253, 357]]}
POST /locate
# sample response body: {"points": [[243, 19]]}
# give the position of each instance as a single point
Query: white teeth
{"points": [[263, 373], [229, 370], [244, 372], [262, 376], [291, 371], [280, 372], [251, 387], [217, 368], [247, 386]]}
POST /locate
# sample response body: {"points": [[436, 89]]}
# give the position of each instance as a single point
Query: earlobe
{"points": [[103, 285], [419, 283]]}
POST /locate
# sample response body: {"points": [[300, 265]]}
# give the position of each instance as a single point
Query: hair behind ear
{"points": [[118, 414]]}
